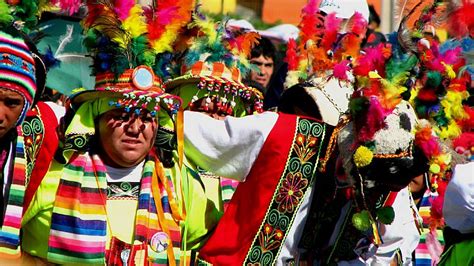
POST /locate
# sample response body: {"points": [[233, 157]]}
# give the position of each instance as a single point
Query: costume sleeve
{"points": [[226, 147], [458, 208]]}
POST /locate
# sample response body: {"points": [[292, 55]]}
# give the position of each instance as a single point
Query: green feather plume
{"points": [[5, 17]]}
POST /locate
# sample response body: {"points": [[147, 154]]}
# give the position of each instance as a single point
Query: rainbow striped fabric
{"points": [[228, 187], [422, 255], [79, 221], [10, 231]]}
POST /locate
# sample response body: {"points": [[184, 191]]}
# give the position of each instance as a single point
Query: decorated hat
{"points": [[126, 43], [321, 60], [384, 145], [213, 68], [22, 67], [17, 67]]}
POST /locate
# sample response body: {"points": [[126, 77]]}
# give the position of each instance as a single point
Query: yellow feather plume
{"points": [[452, 105], [450, 132], [164, 43], [207, 26], [135, 23], [449, 71]]}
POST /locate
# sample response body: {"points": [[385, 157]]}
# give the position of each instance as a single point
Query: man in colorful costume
{"points": [[382, 127], [27, 127], [275, 156], [274, 201], [107, 198], [212, 85]]}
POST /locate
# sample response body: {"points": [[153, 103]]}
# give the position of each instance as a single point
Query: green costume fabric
{"points": [[459, 254], [202, 214]]}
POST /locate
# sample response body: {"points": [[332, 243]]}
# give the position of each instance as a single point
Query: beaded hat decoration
{"points": [[216, 82], [134, 89], [214, 63], [126, 41]]}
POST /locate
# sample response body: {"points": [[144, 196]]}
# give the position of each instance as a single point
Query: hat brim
{"points": [[88, 95], [179, 81]]}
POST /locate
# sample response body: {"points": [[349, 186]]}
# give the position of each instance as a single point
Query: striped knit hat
{"points": [[17, 68]]}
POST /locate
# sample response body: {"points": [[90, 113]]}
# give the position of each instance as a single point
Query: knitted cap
{"points": [[17, 69]]}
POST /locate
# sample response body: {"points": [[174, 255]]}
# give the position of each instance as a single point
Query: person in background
{"points": [[270, 76], [263, 56], [373, 36], [458, 211]]}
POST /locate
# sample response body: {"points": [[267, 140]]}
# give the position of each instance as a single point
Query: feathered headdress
{"points": [[127, 41], [320, 49], [215, 62], [122, 35], [440, 94]]}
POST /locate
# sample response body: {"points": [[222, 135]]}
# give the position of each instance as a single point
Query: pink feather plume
{"points": [[375, 120], [122, 8], [71, 6], [358, 24], [331, 25], [340, 70], [309, 21]]}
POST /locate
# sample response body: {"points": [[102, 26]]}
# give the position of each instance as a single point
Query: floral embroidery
{"points": [[295, 180], [270, 238], [305, 147], [291, 192]]}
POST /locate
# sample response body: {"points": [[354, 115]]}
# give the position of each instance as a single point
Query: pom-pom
{"points": [[363, 156], [386, 214], [361, 220], [340, 70], [433, 79], [435, 168]]}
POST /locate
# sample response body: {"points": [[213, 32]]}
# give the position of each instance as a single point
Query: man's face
{"points": [[11, 105], [265, 64], [126, 138]]}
